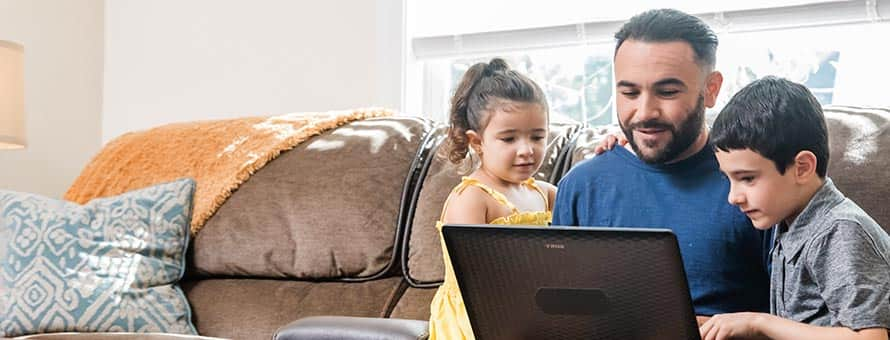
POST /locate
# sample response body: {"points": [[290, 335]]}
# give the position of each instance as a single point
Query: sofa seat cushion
{"points": [[256, 308], [414, 304], [111, 265]]}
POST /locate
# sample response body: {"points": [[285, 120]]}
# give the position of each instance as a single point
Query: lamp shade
{"points": [[12, 96]]}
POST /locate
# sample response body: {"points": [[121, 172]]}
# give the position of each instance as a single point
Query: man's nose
{"points": [[647, 108]]}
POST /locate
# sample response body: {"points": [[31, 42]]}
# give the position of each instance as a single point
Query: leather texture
{"points": [[353, 328]]}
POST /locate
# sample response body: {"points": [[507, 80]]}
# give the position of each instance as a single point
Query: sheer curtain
{"points": [[831, 46]]}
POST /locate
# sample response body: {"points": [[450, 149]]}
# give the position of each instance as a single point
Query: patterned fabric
{"points": [[111, 265]]}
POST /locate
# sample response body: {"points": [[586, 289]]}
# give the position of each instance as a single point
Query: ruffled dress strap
{"points": [[467, 182], [531, 184]]}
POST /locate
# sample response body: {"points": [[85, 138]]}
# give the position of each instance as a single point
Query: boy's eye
{"points": [[747, 179]]}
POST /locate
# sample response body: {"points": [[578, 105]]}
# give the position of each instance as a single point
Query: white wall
{"points": [[63, 91], [96, 69], [173, 60]]}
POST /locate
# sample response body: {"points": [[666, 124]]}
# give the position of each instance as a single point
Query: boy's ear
{"points": [[805, 165], [475, 140], [713, 82]]}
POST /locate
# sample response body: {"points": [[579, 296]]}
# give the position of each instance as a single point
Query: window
{"points": [[828, 46], [576, 80]]}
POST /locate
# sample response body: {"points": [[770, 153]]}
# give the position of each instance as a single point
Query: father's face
{"points": [[662, 95]]}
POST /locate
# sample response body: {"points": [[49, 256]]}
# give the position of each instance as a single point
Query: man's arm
{"points": [[762, 325], [564, 205]]}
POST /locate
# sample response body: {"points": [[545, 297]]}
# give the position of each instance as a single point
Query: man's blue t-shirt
{"points": [[725, 257]]}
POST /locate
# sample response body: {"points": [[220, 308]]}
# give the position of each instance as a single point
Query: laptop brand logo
{"points": [[554, 246]]}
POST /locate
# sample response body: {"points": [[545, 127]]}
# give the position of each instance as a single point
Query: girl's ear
{"points": [[475, 141], [805, 166]]}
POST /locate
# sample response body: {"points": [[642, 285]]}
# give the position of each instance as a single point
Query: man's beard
{"points": [[681, 139]]}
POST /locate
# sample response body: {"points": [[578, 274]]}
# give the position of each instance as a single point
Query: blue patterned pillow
{"points": [[111, 265]]}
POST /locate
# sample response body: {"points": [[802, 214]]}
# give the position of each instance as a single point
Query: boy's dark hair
{"points": [[667, 25], [479, 89], [776, 118]]}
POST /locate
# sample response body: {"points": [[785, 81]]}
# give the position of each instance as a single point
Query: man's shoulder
{"points": [[606, 162]]}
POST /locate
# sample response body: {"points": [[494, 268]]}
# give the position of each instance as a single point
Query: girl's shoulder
{"points": [[545, 186], [467, 205], [549, 190]]}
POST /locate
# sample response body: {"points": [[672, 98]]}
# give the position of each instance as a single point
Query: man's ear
{"points": [[713, 82], [805, 166], [475, 141]]}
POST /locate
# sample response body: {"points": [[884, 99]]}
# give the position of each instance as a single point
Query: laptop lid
{"points": [[571, 283]]}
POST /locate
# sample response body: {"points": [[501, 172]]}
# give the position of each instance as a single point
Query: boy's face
{"points": [[757, 187]]}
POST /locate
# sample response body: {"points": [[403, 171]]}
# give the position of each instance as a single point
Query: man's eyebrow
{"points": [[625, 83], [670, 81]]}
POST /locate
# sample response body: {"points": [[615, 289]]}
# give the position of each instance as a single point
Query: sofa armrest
{"points": [[349, 328]]}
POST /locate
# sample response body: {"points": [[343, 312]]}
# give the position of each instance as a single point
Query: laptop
{"points": [[571, 282]]}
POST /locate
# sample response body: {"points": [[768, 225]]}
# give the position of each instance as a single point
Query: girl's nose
{"points": [[526, 148]]}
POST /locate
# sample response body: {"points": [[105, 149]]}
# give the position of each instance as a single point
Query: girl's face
{"points": [[512, 144]]}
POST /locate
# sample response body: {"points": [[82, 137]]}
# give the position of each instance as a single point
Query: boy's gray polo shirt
{"points": [[831, 266]]}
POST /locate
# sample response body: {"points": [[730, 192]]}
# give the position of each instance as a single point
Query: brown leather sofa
{"points": [[860, 159], [343, 225], [859, 166], [321, 230]]}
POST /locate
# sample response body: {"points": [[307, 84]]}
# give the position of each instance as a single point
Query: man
{"points": [[665, 78]]}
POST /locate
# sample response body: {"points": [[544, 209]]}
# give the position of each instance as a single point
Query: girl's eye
{"points": [[508, 139], [537, 138]]}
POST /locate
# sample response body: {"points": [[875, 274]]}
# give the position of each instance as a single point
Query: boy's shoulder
{"points": [[846, 228], [846, 213], [849, 215]]}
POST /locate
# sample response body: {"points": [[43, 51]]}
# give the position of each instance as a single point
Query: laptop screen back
{"points": [[571, 283]]}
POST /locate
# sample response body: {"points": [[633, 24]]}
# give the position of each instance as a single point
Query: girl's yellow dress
{"points": [[448, 318]]}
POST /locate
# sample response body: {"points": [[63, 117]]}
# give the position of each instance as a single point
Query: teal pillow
{"points": [[111, 265]]}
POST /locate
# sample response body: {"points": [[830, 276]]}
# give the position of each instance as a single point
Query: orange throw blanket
{"points": [[219, 155]]}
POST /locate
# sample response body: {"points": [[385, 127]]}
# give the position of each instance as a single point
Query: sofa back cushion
{"points": [[327, 209], [111, 265], [859, 161], [859, 164], [422, 256]]}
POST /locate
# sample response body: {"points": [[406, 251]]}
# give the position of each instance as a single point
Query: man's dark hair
{"points": [[776, 118], [667, 25]]}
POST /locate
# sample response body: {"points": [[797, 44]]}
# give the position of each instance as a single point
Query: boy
{"points": [[830, 275]]}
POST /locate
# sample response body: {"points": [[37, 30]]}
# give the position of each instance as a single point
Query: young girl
{"points": [[502, 116]]}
